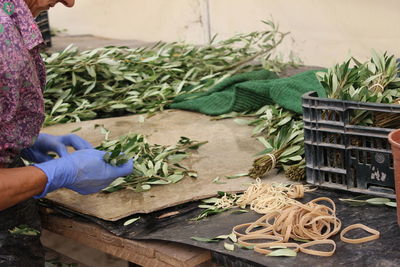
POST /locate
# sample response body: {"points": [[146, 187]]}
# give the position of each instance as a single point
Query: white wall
{"points": [[323, 31]]}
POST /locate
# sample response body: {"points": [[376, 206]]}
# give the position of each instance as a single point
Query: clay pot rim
{"points": [[394, 142]]}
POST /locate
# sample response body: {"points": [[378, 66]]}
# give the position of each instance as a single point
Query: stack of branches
{"points": [[115, 81], [376, 80]]}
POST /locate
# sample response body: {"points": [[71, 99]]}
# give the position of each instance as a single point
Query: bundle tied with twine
{"points": [[264, 164], [284, 148]]}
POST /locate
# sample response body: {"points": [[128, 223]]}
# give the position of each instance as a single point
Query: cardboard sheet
{"points": [[230, 151]]}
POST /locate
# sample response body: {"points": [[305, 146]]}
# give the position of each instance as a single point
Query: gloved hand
{"points": [[83, 171], [46, 143]]}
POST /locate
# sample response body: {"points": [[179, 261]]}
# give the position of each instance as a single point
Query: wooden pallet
{"points": [[144, 253]]}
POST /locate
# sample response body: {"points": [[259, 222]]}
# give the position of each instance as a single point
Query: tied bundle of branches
{"points": [[114, 81], [153, 164], [374, 81], [283, 148], [280, 131]]}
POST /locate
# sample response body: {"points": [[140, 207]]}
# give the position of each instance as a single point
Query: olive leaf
{"points": [[222, 237], [283, 252], [237, 175], [244, 247], [233, 237], [217, 181], [230, 247], [128, 222], [372, 201]]}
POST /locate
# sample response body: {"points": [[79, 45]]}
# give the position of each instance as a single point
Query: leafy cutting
{"points": [[153, 164], [24, 230], [377, 201]]}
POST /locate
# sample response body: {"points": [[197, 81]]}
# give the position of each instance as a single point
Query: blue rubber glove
{"points": [[83, 171], [46, 143]]}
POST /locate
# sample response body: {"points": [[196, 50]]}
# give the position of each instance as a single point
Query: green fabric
{"points": [[251, 91]]}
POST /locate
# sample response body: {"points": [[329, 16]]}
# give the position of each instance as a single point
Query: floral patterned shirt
{"points": [[22, 79]]}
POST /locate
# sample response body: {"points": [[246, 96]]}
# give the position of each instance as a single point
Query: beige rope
{"points": [[273, 158]]}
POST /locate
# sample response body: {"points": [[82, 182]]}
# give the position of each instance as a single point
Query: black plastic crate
{"points": [[344, 156]]}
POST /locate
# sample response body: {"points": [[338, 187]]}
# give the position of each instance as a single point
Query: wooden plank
{"points": [[52, 255], [230, 151], [144, 253]]}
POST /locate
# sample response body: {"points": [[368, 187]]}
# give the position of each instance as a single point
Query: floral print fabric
{"points": [[22, 79]]}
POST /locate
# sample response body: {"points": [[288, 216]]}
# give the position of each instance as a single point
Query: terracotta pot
{"points": [[394, 139]]}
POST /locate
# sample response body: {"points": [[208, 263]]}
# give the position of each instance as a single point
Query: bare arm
{"points": [[18, 184]]}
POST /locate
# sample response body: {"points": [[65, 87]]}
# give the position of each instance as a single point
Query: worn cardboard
{"points": [[230, 150]]}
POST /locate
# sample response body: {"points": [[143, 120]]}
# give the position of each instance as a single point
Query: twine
{"points": [[273, 158]]}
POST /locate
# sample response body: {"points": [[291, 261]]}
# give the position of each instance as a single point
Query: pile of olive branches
{"points": [[115, 81], [154, 164], [376, 80]]}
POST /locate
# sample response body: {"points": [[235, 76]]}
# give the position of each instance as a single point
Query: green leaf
{"points": [[177, 158], [90, 88], [155, 182], [24, 230], [377, 201], [237, 176], [229, 247], [76, 130], [73, 79], [240, 211], [175, 178], [290, 150], [265, 143], [146, 187], [207, 207], [284, 252], [192, 174], [391, 204], [284, 121], [118, 106], [165, 169], [244, 247], [128, 222], [242, 121], [212, 200], [233, 237], [265, 151], [217, 181], [203, 239]]}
